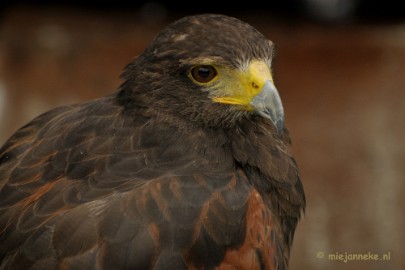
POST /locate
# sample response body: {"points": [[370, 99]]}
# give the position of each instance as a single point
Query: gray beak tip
{"points": [[268, 104], [280, 126]]}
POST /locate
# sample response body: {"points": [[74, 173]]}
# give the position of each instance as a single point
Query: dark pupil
{"points": [[204, 72]]}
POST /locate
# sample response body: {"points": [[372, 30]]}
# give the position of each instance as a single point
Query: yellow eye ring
{"points": [[203, 73]]}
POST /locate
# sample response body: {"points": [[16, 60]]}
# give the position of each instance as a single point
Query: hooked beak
{"points": [[253, 91], [268, 104]]}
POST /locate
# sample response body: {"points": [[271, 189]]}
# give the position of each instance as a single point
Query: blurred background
{"points": [[340, 70]]}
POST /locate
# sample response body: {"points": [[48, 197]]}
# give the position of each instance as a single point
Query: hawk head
{"points": [[210, 69]]}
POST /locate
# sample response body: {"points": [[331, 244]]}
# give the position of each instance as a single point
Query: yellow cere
{"points": [[239, 87]]}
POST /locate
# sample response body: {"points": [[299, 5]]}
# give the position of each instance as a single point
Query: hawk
{"points": [[186, 166]]}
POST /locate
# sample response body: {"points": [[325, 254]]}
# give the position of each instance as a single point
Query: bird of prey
{"points": [[185, 166]]}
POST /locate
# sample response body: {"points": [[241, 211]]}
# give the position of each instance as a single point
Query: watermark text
{"points": [[353, 256]]}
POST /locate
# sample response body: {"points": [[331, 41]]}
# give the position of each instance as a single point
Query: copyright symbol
{"points": [[320, 254]]}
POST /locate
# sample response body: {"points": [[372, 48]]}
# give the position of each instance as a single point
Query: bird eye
{"points": [[204, 73]]}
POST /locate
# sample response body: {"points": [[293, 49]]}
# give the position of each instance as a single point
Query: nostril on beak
{"points": [[255, 85]]}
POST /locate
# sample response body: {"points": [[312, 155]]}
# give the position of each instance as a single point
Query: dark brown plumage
{"points": [[166, 173]]}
